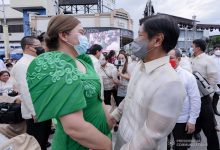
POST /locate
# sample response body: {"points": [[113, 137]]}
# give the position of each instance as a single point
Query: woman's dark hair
{"points": [[56, 25], [165, 25], [200, 43], [94, 48], [124, 70], [3, 72], [111, 54], [122, 51]]}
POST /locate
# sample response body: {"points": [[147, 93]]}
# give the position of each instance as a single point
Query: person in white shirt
{"points": [[206, 121], [150, 110], [6, 83], [185, 125], [185, 63], [2, 66], [216, 58], [133, 63], [108, 72], [95, 53], [31, 48], [124, 73]]}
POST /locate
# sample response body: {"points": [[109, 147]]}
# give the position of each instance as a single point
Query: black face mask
{"points": [[40, 50]]}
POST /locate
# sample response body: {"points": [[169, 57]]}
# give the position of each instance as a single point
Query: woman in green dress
{"points": [[64, 85]]}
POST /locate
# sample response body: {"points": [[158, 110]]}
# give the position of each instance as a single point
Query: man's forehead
{"points": [[172, 53], [141, 28]]}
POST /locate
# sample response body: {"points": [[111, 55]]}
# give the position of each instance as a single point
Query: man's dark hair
{"points": [[216, 45], [94, 48], [200, 43], [27, 40], [165, 25], [9, 65], [177, 53], [41, 37]]}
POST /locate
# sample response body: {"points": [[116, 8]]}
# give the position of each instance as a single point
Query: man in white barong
{"points": [[155, 93]]}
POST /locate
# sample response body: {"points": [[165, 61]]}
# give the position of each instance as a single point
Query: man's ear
{"points": [[159, 38]]}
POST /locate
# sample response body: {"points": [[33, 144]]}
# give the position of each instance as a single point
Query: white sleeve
{"points": [[19, 74], [114, 73], [194, 98], [162, 115], [212, 73], [117, 113]]}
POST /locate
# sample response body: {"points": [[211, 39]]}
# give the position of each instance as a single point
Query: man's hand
{"points": [[190, 128], [113, 120], [34, 118]]}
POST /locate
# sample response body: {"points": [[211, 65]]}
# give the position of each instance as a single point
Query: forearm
{"points": [[194, 112], [125, 76], [117, 113], [107, 115], [90, 137], [154, 130]]}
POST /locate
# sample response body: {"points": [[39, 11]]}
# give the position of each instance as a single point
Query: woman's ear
{"points": [[63, 36]]}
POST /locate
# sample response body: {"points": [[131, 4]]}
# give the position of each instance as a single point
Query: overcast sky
{"points": [[206, 11]]}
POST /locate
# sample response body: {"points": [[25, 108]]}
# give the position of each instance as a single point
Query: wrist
{"points": [[108, 145]]}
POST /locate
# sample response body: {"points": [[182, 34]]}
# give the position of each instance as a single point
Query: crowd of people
{"points": [[149, 98]]}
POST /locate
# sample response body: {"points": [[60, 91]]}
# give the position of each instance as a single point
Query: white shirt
{"points": [[186, 64], [131, 66], [2, 66], [150, 110], [192, 103], [207, 68], [108, 74], [19, 74], [5, 87], [97, 66], [216, 60]]}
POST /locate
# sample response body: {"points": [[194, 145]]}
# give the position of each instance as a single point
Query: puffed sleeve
{"points": [[55, 86]]}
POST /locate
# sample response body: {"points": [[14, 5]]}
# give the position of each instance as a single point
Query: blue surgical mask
{"points": [[83, 45]]}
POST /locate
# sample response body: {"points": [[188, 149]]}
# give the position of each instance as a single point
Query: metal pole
{"points": [[185, 40], [5, 34], [3, 5], [194, 26]]}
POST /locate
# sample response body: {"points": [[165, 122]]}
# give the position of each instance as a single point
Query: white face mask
{"points": [[102, 62], [217, 53], [122, 62]]}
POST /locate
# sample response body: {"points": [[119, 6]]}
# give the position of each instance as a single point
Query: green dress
{"points": [[58, 88]]}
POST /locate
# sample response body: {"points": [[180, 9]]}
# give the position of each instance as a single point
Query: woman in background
{"points": [[6, 84], [111, 56], [124, 73]]}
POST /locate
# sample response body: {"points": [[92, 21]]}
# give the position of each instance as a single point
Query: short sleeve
{"points": [[55, 86]]}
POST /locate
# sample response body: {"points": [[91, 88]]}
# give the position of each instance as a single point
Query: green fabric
{"points": [[57, 88]]}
